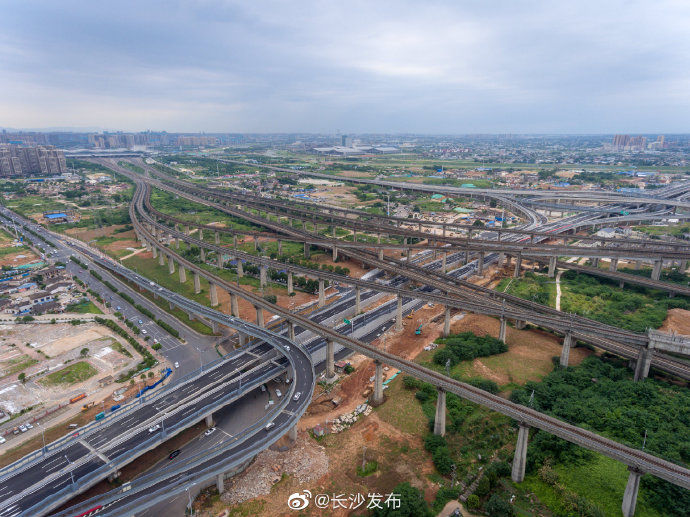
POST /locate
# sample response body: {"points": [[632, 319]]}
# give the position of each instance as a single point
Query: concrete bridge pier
{"points": [[259, 316], [197, 283], [215, 327], [256, 243], [330, 361], [322, 294], [240, 268], [481, 264], [292, 433], [209, 420], [644, 361], [552, 267], [358, 300], [334, 232], [380, 253], [520, 458], [153, 250], [262, 276], [335, 253], [683, 266], [306, 250], [213, 294], [440, 418], [613, 265], [595, 262], [520, 324], [234, 240], [630, 494], [201, 234], [291, 331], [171, 265], [656, 272], [501, 259], [161, 258], [565, 351], [290, 288], [378, 385], [219, 260], [177, 243], [220, 483], [234, 306], [280, 248], [243, 338], [202, 253], [638, 265], [443, 263], [502, 329], [518, 265], [446, 322], [399, 314]]}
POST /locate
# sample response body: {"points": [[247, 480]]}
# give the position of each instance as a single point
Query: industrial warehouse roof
{"points": [[56, 216]]}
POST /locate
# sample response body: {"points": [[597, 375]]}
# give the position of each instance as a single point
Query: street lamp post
{"points": [[44, 436]]}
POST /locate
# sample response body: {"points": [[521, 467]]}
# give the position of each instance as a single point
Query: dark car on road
{"points": [[174, 454]]}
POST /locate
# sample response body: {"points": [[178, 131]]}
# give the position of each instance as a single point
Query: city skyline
{"points": [[446, 68]]}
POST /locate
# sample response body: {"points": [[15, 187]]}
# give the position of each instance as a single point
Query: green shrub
{"points": [[499, 507]]}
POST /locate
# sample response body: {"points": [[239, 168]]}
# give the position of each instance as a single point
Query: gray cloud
{"points": [[452, 67]]}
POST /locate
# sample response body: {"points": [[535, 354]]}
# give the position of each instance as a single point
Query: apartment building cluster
{"points": [[20, 160], [21, 294]]}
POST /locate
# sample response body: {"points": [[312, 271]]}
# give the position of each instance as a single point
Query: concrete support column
{"points": [[183, 274], [656, 272], [378, 384], [638, 264], [552, 267], [399, 314], [280, 248], [520, 458], [240, 268], [501, 259], [234, 306], [234, 240], [354, 235], [330, 361], [520, 324], [322, 294], [243, 338], [446, 322], [213, 294], [259, 316], [171, 265], [292, 433], [215, 327], [565, 351], [630, 494], [216, 238], [209, 420], [480, 269], [358, 304], [644, 361], [440, 418], [201, 234], [518, 264], [613, 266], [443, 263], [502, 329], [683, 266], [291, 331], [334, 232], [256, 243], [219, 260], [262, 276], [220, 483], [408, 252], [335, 253], [307, 251], [595, 262], [290, 288], [380, 253], [154, 250], [161, 259], [177, 243], [202, 253]]}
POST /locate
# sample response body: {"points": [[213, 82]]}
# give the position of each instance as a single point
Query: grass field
{"points": [[87, 307], [403, 411], [73, 373], [18, 364], [601, 481]]}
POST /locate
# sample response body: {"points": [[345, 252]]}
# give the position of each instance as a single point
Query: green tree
{"points": [[22, 377], [84, 352], [499, 507], [412, 504]]}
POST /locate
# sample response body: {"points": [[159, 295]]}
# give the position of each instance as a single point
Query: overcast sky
{"points": [[372, 66]]}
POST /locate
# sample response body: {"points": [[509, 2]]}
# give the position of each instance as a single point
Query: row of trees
{"points": [[467, 346]]}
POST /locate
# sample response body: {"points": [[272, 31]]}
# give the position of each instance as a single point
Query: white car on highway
{"points": [[297, 396], [154, 428], [278, 393], [210, 431]]}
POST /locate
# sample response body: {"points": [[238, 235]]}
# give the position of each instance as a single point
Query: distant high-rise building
{"points": [[629, 143], [16, 160], [346, 141]]}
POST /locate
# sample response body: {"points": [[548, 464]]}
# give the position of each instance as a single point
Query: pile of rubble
{"points": [[348, 419], [305, 461]]}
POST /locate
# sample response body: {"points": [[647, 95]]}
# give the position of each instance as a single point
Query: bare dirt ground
{"points": [[678, 321], [18, 258], [87, 235]]}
